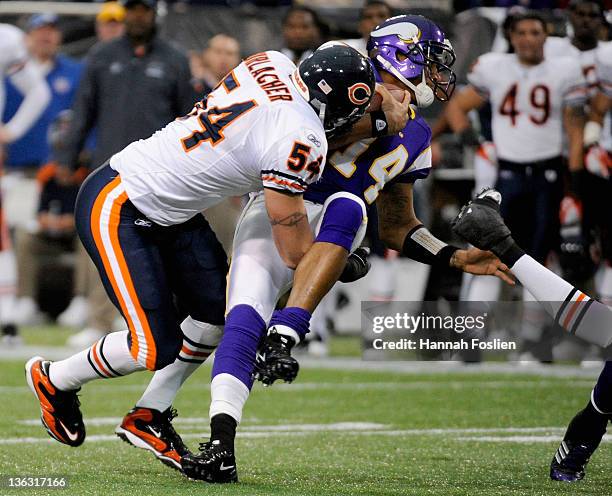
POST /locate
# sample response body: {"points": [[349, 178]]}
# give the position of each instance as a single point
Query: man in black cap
{"points": [[132, 86]]}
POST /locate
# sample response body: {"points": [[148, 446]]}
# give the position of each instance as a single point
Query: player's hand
{"points": [[479, 262], [397, 113]]}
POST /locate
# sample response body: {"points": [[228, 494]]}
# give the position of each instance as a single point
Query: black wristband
{"points": [[445, 254], [380, 127], [426, 248]]}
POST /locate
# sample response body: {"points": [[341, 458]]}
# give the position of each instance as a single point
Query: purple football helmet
{"points": [[411, 46]]}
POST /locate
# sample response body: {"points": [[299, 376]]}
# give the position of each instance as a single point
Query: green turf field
{"points": [[332, 432]]}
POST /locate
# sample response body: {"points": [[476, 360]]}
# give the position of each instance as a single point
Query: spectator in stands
{"points": [[221, 55], [371, 15], [109, 21], [132, 86], [88, 290], [44, 40], [26, 155], [53, 234], [303, 31]]}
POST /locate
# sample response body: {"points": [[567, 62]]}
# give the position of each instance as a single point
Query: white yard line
{"points": [[350, 386], [520, 439], [521, 434], [357, 364]]}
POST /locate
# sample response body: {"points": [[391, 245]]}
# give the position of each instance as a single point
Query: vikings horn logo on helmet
{"points": [[406, 31]]}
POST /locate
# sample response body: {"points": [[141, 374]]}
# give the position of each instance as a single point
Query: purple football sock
{"points": [[235, 354], [296, 318]]}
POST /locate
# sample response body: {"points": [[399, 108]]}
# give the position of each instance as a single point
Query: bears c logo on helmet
{"points": [[359, 93]]}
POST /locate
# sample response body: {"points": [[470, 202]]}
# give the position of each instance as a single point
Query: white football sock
{"points": [[572, 309], [228, 395], [200, 340], [108, 357], [8, 286]]}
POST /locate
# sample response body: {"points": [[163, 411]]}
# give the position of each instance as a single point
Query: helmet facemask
{"points": [[416, 52], [434, 59]]}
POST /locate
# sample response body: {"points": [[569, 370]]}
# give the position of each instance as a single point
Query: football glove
{"points": [[357, 265]]}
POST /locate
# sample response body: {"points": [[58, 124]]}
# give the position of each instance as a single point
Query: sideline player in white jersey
{"points": [[533, 100], [587, 428], [13, 58], [265, 127], [586, 18]]}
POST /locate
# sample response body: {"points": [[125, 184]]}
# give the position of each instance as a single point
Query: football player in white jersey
{"points": [[265, 127], [588, 426], [586, 19], [13, 58], [534, 99], [336, 208]]}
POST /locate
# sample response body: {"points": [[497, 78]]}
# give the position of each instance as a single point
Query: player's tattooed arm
{"points": [[291, 220], [396, 215], [574, 120], [290, 228]]}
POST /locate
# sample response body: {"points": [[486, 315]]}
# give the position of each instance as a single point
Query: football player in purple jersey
{"points": [[413, 53]]}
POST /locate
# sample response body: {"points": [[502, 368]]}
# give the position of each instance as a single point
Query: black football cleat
{"points": [[570, 460], [60, 412], [274, 361], [152, 430], [215, 464], [480, 223]]}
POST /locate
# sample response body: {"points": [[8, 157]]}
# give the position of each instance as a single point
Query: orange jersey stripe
{"points": [[283, 182], [572, 311], [95, 229], [187, 351], [142, 317]]}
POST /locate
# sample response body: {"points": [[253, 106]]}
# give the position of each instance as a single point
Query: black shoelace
{"points": [[168, 429]]}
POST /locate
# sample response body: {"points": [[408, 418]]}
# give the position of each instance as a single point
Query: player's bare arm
{"points": [[401, 230], [574, 120], [599, 106], [290, 228]]}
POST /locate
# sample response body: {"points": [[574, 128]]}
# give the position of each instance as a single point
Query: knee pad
{"points": [[343, 222]]}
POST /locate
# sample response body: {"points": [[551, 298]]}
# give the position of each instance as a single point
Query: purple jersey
{"points": [[365, 167]]}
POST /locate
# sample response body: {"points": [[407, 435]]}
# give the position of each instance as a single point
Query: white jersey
{"points": [[528, 102], [13, 55], [253, 131], [25, 76], [562, 47], [603, 63]]}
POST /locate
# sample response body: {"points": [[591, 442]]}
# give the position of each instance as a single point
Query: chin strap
{"points": [[424, 94]]}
